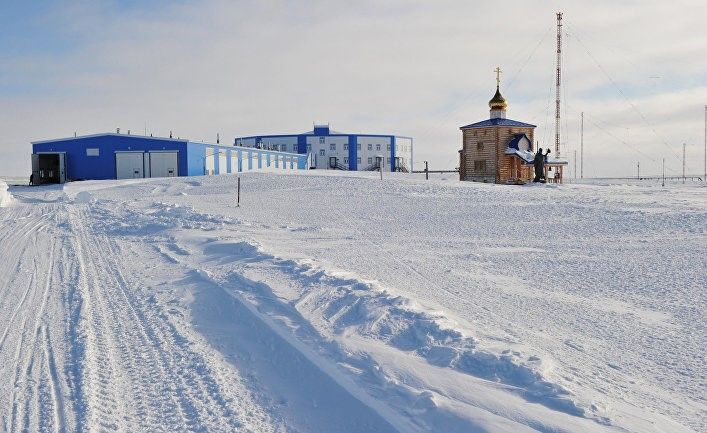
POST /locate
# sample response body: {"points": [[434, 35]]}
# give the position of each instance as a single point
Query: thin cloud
{"points": [[412, 68]]}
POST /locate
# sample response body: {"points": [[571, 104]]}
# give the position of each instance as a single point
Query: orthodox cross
{"points": [[498, 76]]}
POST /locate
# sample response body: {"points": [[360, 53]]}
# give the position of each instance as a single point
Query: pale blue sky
{"points": [[636, 68]]}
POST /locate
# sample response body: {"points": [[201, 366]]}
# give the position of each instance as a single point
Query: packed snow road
{"points": [[346, 304]]}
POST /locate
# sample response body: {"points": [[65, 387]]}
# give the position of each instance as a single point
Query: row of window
{"points": [[276, 147], [332, 146], [386, 160]]}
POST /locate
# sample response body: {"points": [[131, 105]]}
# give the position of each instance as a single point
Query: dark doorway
{"points": [[47, 168]]}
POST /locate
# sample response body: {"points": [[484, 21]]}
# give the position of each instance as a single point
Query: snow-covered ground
{"points": [[342, 303]]}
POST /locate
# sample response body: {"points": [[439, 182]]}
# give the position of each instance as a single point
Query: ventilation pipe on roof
{"points": [[128, 132], [170, 134], [218, 139], [117, 130]]}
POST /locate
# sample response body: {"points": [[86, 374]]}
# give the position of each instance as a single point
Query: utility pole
{"points": [[575, 164], [581, 146], [427, 171], [558, 72], [638, 168]]}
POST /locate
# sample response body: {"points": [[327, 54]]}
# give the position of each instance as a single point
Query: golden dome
{"points": [[498, 102]]}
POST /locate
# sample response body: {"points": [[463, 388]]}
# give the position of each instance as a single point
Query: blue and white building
{"points": [[125, 156], [327, 149]]}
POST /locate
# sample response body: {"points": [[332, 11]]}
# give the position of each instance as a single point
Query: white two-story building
{"points": [[340, 151]]}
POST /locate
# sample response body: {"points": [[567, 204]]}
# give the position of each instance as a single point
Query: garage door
{"points": [[129, 165], [163, 164]]}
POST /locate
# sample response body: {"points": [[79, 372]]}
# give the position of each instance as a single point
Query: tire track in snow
{"points": [[164, 395], [158, 334], [59, 418], [100, 376], [16, 310], [131, 350], [210, 395], [25, 379]]}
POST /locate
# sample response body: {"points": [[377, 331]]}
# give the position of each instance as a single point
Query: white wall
{"points": [[340, 150], [403, 149], [364, 153], [321, 148]]}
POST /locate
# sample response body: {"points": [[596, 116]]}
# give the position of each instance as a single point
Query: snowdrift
{"points": [[5, 197]]}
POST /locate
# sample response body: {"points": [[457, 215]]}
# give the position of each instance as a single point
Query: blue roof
{"points": [[513, 144], [497, 122]]}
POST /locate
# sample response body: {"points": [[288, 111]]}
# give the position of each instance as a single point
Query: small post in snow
{"points": [[238, 197], [663, 171], [380, 166], [427, 171]]}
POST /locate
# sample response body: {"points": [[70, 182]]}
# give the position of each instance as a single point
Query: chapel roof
{"points": [[498, 121]]}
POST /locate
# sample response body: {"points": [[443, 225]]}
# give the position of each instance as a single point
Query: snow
{"points": [[5, 196], [526, 155], [338, 302]]}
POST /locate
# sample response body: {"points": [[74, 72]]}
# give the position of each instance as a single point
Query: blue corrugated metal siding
{"points": [[81, 166], [191, 157], [196, 160]]}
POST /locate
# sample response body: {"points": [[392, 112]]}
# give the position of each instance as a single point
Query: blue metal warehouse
{"points": [[329, 149], [125, 156]]}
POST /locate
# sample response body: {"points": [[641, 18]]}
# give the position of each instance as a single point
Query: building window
{"points": [[358, 160], [388, 147], [358, 146], [370, 159], [346, 146], [346, 160], [479, 146], [295, 148], [309, 148], [480, 165], [378, 147], [321, 152], [370, 146], [332, 146], [321, 140]]}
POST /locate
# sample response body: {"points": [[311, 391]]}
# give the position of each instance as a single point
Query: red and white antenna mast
{"points": [[557, 84]]}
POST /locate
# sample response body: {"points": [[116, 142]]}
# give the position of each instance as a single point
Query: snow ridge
{"points": [[338, 304]]}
